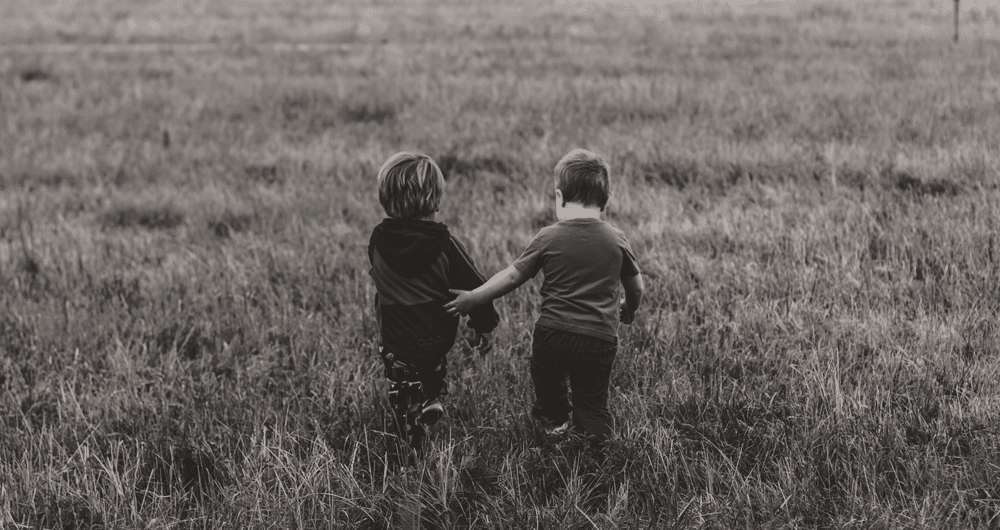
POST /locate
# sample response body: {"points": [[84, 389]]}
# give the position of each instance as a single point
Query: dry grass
{"points": [[188, 331]]}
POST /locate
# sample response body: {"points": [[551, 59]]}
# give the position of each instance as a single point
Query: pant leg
{"points": [[590, 378], [548, 374], [433, 377]]}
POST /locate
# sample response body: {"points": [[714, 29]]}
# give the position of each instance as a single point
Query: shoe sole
{"points": [[559, 430], [431, 414]]}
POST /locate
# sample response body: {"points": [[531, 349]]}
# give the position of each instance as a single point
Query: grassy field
{"points": [[187, 331]]}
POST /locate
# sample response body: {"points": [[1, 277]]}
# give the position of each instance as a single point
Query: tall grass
{"points": [[188, 338]]}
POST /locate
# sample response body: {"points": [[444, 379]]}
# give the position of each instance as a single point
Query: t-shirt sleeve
{"points": [[630, 266], [530, 261]]}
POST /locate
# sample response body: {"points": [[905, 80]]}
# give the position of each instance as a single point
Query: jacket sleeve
{"points": [[463, 274]]}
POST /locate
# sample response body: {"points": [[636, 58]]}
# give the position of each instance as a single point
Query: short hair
{"points": [[583, 177], [410, 185]]}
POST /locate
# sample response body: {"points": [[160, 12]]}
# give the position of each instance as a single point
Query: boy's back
{"points": [[576, 336], [414, 263], [583, 261]]}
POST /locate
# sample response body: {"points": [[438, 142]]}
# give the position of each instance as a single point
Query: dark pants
{"points": [[587, 362], [431, 373]]}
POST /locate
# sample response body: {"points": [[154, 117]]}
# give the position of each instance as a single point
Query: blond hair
{"points": [[583, 177], [410, 185]]}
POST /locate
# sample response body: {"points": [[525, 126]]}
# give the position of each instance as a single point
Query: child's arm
{"points": [[634, 288], [500, 284], [463, 274]]}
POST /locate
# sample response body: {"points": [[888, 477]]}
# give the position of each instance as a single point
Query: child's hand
{"points": [[464, 302], [483, 343]]}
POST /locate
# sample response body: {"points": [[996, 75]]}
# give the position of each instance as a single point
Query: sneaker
{"points": [[557, 430], [432, 412]]}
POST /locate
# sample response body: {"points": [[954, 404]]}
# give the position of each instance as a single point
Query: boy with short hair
{"points": [[583, 259], [414, 262]]}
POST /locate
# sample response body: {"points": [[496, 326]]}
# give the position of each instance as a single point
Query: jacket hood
{"points": [[409, 246]]}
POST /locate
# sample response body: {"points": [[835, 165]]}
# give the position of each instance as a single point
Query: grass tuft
{"points": [[930, 187], [266, 174], [229, 223], [363, 110], [152, 216], [36, 74], [455, 166]]}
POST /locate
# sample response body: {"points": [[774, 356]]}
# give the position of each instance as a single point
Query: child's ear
{"points": [[559, 198]]}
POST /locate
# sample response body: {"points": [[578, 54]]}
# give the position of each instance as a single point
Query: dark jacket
{"points": [[413, 264]]}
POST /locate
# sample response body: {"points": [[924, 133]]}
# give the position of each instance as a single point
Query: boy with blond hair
{"points": [[583, 260], [414, 262]]}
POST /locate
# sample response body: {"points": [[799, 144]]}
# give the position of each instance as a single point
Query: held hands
{"points": [[464, 302]]}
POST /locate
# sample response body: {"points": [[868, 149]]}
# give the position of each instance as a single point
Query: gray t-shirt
{"points": [[583, 261]]}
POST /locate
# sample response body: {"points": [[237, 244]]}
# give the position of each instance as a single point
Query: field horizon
{"points": [[810, 188]]}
